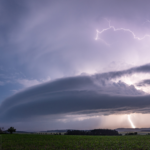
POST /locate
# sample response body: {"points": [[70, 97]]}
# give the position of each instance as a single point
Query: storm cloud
{"points": [[77, 95], [116, 74], [52, 66], [144, 83]]}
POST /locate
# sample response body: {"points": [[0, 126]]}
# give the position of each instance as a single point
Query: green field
{"points": [[69, 142]]}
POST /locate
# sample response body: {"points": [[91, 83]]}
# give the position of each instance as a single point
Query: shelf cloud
{"points": [[77, 58], [144, 83], [78, 95]]}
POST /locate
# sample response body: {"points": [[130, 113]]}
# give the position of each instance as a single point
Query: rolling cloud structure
{"points": [[144, 83], [111, 75], [77, 95], [54, 74]]}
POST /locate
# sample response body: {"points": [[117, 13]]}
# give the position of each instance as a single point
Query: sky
{"points": [[74, 64]]}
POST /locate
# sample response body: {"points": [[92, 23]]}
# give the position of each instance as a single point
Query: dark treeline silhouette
{"points": [[134, 133], [92, 132], [10, 130], [2, 131]]}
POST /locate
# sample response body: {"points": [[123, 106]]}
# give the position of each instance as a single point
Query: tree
{"points": [[11, 130], [1, 129], [134, 133]]}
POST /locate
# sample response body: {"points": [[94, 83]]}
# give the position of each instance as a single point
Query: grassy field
{"points": [[68, 142]]}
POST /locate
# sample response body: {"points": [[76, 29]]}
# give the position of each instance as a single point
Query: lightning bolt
{"points": [[131, 122], [119, 29]]}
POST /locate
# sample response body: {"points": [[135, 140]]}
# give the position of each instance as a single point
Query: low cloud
{"points": [[28, 83], [144, 83], [116, 74], [77, 95]]}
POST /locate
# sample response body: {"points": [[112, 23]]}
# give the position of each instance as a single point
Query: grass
{"points": [[69, 142]]}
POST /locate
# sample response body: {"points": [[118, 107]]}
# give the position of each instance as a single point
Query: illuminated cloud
{"points": [[119, 29], [144, 83], [54, 41], [78, 95]]}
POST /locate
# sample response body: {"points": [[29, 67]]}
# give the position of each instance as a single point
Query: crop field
{"points": [[70, 142]]}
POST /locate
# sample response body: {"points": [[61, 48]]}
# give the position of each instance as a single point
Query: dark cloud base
{"points": [[80, 95], [144, 83], [79, 102]]}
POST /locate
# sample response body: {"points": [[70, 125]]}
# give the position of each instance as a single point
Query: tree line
{"points": [[93, 132], [10, 130]]}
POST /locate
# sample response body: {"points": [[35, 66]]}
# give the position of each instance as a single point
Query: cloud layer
{"points": [[43, 41], [77, 95], [144, 83]]}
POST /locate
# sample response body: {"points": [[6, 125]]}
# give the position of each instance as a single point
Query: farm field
{"points": [[70, 142]]}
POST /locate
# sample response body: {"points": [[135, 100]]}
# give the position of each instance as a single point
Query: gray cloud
{"points": [[81, 94], [116, 74], [144, 83], [46, 39], [60, 35]]}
